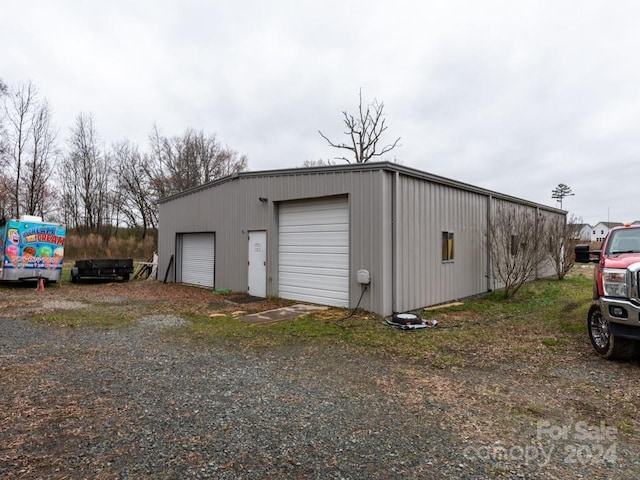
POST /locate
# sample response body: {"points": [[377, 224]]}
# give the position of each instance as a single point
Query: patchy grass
{"points": [[547, 314], [544, 317], [530, 355], [79, 318]]}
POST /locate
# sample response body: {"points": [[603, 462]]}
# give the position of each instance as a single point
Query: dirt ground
{"points": [[100, 402]]}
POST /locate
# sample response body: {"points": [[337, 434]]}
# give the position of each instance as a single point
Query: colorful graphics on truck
{"points": [[31, 249]]}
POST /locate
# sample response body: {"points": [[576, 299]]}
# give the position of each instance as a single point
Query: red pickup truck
{"points": [[613, 320]]}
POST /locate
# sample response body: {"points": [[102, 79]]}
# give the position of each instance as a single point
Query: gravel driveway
{"points": [[136, 403]]}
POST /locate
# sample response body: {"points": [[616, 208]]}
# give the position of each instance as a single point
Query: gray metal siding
{"points": [[223, 210], [233, 208], [370, 233], [426, 210], [397, 216]]}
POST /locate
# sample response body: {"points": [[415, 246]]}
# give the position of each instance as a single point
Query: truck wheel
{"points": [[605, 344]]}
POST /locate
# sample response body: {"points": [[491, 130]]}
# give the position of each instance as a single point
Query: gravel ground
{"points": [[136, 403]]}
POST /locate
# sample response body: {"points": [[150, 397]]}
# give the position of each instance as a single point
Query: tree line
{"points": [[95, 189], [90, 187]]}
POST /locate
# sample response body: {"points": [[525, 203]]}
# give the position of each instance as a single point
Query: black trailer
{"points": [[112, 268]]}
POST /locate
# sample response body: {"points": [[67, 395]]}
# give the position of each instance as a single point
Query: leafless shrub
{"points": [[562, 237], [515, 243]]}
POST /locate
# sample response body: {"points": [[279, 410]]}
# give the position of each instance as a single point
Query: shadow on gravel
{"points": [[22, 285]]}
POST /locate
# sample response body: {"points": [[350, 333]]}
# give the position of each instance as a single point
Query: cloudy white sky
{"points": [[515, 96]]}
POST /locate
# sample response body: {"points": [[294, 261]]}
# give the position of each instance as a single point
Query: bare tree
{"points": [[186, 161], [38, 167], [516, 245], [317, 163], [563, 236], [364, 131], [5, 195], [135, 200], [4, 90], [31, 147], [19, 113], [85, 180], [5, 183]]}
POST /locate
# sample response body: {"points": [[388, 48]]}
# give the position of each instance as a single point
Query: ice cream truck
{"points": [[31, 249]]}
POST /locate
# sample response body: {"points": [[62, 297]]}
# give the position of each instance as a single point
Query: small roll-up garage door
{"points": [[313, 251], [198, 258]]}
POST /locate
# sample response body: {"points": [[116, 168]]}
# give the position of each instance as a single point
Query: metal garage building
{"points": [[304, 234]]}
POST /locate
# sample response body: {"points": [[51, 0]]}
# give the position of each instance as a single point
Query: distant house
{"points": [[585, 232], [601, 230]]}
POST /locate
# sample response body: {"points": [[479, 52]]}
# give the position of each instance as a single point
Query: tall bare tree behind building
{"points": [[365, 131], [183, 162]]}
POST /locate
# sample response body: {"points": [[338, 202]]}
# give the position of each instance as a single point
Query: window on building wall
{"points": [[514, 245], [594, 232], [601, 232], [447, 246]]}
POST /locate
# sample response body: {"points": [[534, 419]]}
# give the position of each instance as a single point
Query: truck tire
{"points": [[605, 344]]}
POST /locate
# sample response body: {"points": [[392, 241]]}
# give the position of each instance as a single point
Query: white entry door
{"points": [[257, 264]]}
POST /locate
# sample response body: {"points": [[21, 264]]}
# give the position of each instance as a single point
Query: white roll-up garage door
{"points": [[313, 251], [198, 259]]}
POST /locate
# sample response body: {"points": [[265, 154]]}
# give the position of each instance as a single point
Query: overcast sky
{"points": [[514, 96]]}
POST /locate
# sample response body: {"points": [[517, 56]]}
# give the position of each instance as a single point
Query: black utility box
{"points": [[584, 255]]}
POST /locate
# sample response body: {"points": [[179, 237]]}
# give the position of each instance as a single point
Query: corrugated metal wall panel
{"points": [[425, 207], [233, 208], [425, 211]]}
